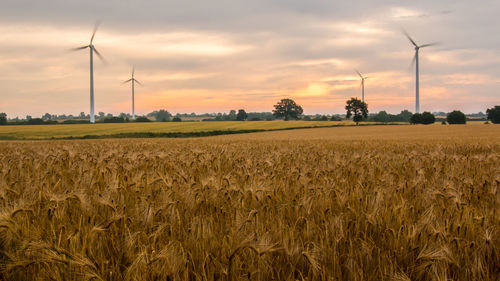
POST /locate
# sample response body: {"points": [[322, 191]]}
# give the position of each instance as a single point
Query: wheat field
{"points": [[40, 132], [379, 203]]}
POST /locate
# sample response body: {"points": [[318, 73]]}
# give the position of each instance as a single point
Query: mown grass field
{"points": [[100, 129], [343, 203]]}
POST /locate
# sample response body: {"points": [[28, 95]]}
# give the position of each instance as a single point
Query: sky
{"points": [[214, 56]]}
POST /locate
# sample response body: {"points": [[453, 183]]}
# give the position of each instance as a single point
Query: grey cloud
{"points": [[282, 34]]}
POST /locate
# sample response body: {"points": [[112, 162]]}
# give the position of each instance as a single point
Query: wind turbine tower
{"points": [[362, 85], [133, 80], [92, 51], [416, 61]]}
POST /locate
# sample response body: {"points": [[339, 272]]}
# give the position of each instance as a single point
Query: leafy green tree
{"points": [[456, 117], [423, 118], [242, 115], [416, 118], [494, 114], [232, 115], [176, 119], [404, 116], [3, 118], [428, 118], [382, 116], [287, 108], [357, 109]]}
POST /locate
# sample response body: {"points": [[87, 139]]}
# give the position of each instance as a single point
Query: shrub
{"points": [[176, 119], [35, 121], [456, 117], [142, 119], [114, 119]]}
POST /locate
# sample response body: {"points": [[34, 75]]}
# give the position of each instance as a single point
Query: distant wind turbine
{"points": [[92, 51], [133, 80], [415, 60], [362, 85]]}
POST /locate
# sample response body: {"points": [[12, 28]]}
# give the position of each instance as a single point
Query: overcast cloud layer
{"points": [[210, 56]]}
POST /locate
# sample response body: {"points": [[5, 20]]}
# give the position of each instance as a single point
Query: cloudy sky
{"points": [[212, 56]]}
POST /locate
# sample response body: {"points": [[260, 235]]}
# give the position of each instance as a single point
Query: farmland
{"points": [[343, 203], [184, 128]]}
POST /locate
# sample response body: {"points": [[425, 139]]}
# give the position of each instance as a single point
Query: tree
{"points": [[28, 117], [242, 115], [287, 108], [405, 116], [176, 119], [382, 116], [101, 115], [416, 118], [232, 115], [335, 118], [428, 118], [456, 117], [494, 114], [357, 109], [161, 116], [3, 118], [46, 116]]}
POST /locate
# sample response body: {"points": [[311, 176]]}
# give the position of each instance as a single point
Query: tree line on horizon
{"points": [[285, 109]]}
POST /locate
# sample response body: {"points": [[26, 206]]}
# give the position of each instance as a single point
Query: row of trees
{"points": [[286, 109]]}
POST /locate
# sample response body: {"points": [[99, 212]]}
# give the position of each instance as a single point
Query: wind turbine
{"points": [[362, 85], [415, 60], [92, 51], [133, 80]]}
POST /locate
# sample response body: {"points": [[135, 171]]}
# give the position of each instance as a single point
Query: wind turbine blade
{"points": [[359, 73], [430, 44], [138, 82], [78, 49], [409, 38], [99, 55], [413, 62], [127, 81], [96, 26], [133, 71], [368, 77]]}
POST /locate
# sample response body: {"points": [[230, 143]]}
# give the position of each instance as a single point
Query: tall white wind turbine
{"points": [[92, 51], [133, 80], [415, 60], [362, 85]]}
